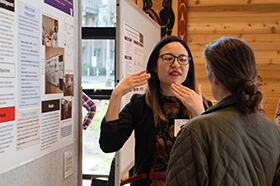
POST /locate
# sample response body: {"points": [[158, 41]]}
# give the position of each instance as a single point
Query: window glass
{"points": [[98, 72], [95, 162], [98, 13], [98, 65]]}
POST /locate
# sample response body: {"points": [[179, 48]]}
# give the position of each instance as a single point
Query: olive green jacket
{"points": [[224, 146]]}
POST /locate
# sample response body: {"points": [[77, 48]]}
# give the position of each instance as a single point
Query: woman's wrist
{"points": [[116, 94], [198, 112]]}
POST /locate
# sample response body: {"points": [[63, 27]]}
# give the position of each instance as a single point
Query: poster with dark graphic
{"points": [[63, 5], [8, 5]]}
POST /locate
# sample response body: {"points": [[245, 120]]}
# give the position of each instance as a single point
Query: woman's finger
{"points": [[178, 95], [176, 89], [138, 73], [179, 86], [180, 89], [199, 90], [139, 79]]}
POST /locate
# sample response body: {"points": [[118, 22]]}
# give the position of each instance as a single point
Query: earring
{"points": [[155, 70]]}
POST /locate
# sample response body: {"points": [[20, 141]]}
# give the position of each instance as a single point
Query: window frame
{"points": [[90, 33]]}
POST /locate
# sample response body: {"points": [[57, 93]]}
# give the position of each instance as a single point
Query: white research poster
{"points": [[133, 48], [36, 79]]}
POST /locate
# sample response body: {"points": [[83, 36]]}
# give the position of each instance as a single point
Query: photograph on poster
{"points": [[54, 70], [66, 108], [49, 32], [68, 85]]}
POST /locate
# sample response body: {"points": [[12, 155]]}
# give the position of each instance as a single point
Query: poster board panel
{"points": [[36, 130], [137, 34]]}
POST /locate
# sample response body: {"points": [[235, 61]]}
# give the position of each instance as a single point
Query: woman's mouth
{"points": [[175, 73]]}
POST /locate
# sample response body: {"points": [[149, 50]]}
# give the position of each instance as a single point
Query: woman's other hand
{"points": [[192, 100]]}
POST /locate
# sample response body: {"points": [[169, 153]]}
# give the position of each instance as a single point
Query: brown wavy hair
{"points": [[232, 61]]}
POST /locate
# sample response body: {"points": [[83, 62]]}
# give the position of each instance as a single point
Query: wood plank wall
{"points": [[255, 21]]}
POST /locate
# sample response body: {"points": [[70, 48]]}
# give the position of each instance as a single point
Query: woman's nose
{"points": [[175, 63]]}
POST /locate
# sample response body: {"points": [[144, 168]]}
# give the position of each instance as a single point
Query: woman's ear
{"points": [[215, 79], [155, 69]]}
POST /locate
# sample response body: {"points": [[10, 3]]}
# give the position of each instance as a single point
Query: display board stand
{"points": [[57, 163], [136, 36]]}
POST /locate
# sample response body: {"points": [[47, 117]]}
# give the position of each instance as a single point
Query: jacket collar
{"points": [[228, 101]]}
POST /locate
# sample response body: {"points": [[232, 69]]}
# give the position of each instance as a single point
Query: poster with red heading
{"points": [[36, 79]]}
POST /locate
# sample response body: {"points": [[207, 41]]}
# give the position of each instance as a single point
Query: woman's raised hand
{"points": [[192, 101], [127, 84], [132, 81]]}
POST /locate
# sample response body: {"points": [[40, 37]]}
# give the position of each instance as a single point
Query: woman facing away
{"points": [[170, 96], [230, 143]]}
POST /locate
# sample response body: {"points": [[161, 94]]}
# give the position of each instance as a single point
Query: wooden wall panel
{"points": [[257, 22], [266, 38], [229, 2]]}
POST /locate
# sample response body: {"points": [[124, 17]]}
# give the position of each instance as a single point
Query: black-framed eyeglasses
{"points": [[170, 58]]}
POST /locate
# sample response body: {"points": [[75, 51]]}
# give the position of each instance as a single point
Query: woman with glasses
{"points": [[231, 143], [170, 98]]}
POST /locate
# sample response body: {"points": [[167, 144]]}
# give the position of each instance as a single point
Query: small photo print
{"points": [[66, 108], [54, 70], [50, 32], [68, 81]]}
